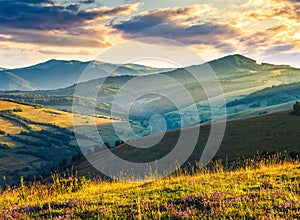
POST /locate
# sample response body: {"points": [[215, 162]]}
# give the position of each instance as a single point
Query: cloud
{"points": [[55, 52], [87, 1], [268, 41], [35, 1], [27, 15], [56, 38], [279, 49], [290, 58], [181, 24], [226, 31], [52, 27], [289, 9], [45, 22]]}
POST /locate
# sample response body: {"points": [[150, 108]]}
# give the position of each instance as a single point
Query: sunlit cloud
{"points": [[57, 25], [46, 28], [187, 25]]}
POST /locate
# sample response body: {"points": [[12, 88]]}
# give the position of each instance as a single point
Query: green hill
{"points": [[269, 96]]}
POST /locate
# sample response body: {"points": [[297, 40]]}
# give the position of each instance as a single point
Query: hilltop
{"points": [[239, 61]]}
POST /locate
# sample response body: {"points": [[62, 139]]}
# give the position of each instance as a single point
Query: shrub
{"points": [[17, 110]]}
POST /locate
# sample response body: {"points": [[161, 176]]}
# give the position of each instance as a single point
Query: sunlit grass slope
{"points": [[34, 138], [48, 115], [260, 190]]}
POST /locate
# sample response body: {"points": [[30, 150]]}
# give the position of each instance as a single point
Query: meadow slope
{"points": [[34, 138], [260, 190], [243, 138]]}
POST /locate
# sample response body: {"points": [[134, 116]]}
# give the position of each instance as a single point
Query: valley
{"points": [[37, 127]]}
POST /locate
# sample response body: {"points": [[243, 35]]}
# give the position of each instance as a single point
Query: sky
{"points": [[33, 31]]}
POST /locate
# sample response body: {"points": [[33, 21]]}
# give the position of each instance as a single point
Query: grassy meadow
{"points": [[34, 138], [48, 115], [260, 189]]}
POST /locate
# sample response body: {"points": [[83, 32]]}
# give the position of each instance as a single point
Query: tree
{"points": [[107, 145], [296, 108], [119, 142]]}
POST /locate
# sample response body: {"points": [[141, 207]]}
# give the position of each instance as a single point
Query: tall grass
{"points": [[266, 187]]}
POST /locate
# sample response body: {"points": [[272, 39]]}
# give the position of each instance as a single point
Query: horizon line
{"points": [[140, 63]]}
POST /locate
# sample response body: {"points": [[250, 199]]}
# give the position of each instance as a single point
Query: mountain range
{"points": [[239, 76], [243, 80], [55, 74]]}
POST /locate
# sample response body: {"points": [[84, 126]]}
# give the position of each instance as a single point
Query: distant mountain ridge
{"points": [[238, 75], [234, 69], [54, 74], [10, 81]]}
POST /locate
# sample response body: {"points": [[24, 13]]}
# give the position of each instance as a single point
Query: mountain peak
{"points": [[238, 58], [63, 61], [234, 61]]}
